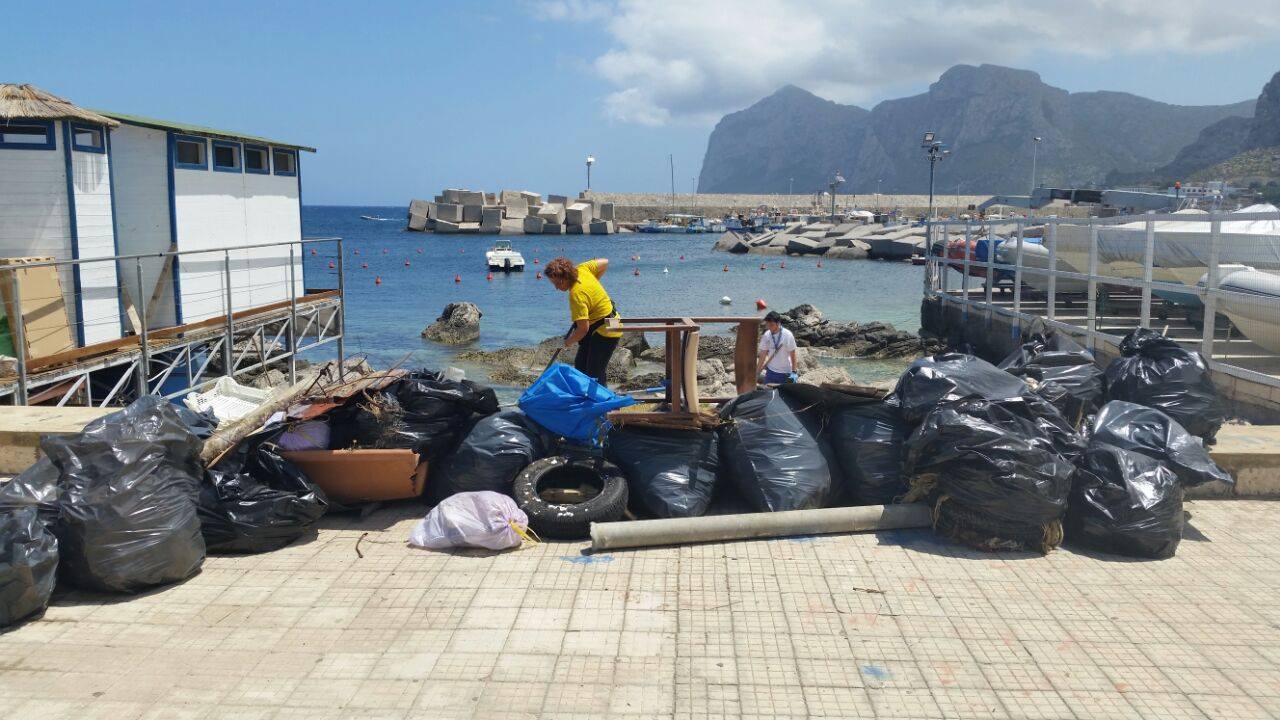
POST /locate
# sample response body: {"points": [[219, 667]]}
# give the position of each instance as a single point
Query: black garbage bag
{"points": [[28, 564], [201, 424], [36, 487], [813, 406], [1153, 433], [773, 460], [671, 473], [1126, 503], [1158, 372], [125, 490], [1064, 372], [257, 501], [869, 441], [493, 453], [931, 381], [426, 394], [995, 464]]}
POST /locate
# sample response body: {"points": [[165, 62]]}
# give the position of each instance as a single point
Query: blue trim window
{"points": [[88, 138], [286, 161], [27, 135], [226, 156], [190, 152], [257, 160]]}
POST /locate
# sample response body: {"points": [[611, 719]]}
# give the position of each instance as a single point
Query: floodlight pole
{"points": [[1035, 147], [591, 159], [935, 151]]}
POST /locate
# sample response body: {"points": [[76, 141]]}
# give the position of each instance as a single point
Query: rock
{"points": [[719, 347], [643, 381], [458, 323], [825, 375], [270, 380], [636, 343], [805, 360], [874, 339], [619, 365]]}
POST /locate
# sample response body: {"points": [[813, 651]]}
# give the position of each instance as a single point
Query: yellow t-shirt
{"points": [[588, 299]]}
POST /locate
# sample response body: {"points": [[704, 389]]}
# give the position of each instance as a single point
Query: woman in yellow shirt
{"points": [[589, 308]]}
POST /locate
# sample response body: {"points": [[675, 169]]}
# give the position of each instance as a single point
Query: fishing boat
{"points": [[503, 258]]}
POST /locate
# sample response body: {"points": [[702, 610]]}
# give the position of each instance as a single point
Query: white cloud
{"points": [[681, 60]]}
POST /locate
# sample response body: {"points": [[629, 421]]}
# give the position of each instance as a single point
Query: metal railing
{"points": [[243, 336], [1098, 278]]}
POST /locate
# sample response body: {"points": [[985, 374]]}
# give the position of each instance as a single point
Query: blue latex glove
{"points": [[793, 377]]}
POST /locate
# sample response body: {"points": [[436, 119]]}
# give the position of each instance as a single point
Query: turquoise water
{"points": [[385, 321]]}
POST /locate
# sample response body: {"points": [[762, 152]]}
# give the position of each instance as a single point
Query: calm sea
{"points": [[385, 321]]}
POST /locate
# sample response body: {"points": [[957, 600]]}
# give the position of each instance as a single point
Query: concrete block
{"points": [[605, 211], [552, 213], [534, 210], [446, 227], [579, 214], [470, 197], [439, 199], [516, 208], [469, 227], [490, 199], [491, 219], [512, 226], [417, 222], [452, 195], [471, 213], [553, 229], [561, 199], [602, 227], [534, 224], [532, 198], [419, 207], [432, 213], [449, 212], [506, 197], [575, 229]]}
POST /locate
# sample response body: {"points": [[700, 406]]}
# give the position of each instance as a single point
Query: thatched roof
{"points": [[30, 102]]}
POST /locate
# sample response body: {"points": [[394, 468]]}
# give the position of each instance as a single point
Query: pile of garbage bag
{"points": [[28, 564], [493, 452], [422, 411], [772, 458], [1065, 373], [256, 501], [1128, 488], [1159, 373], [121, 499], [997, 471], [670, 473]]}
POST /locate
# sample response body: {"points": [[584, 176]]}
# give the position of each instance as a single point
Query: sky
{"points": [[404, 98]]}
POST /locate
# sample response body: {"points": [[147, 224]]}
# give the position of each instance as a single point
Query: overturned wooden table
{"points": [[682, 407]]}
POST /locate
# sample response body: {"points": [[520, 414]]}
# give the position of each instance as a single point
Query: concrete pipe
{"points": [[716, 528]]}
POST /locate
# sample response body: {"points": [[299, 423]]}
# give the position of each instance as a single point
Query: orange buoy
{"points": [[783, 265], [364, 266], [489, 276], [537, 276], [761, 266], [636, 272], [377, 280], [330, 264], [726, 268], [457, 278], [760, 304], [406, 263], [535, 261]]}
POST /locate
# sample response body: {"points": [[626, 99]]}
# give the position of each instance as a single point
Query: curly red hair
{"points": [[562, 268]]}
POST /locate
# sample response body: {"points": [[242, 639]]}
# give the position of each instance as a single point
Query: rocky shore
{"points": [[638, 366]]}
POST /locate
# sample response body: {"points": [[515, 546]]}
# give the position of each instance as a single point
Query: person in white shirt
{"points": [[777, 351]]}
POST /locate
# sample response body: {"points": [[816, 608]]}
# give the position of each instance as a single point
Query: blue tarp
{"points": [[570, 404]]}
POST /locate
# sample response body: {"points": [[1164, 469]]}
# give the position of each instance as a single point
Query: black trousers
{"points": [[594, 352]]}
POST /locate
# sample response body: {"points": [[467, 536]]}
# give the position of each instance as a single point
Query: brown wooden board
{"points": [[45, 324]]}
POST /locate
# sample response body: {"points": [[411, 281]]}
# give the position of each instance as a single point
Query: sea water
{"points": [[385, 321]]}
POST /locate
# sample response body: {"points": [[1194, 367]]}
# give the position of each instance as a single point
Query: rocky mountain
{"points": [[987, 114], [1219, 143]]}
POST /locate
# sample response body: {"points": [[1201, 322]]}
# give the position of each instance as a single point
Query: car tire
{"points": [[570, 521]]}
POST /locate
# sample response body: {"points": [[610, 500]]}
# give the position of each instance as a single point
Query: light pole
{"points": [[1035, 147], [791, 185], [591, 160], [936, 151], [878, 206], [836, 182]]}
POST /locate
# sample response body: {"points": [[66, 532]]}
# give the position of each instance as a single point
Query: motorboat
{"points": [[1035, 255], [503, 258], [1250, 300]]}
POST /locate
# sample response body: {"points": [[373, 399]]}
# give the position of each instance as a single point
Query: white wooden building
{"points": [[79, 184]]}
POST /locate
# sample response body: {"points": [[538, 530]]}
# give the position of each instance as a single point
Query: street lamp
{"points": [[836, 182], [1035, 147], [878, 205], [591, 160], [936, 151]]}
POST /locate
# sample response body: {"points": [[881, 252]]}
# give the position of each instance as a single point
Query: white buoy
{"points": [[665, 271], [726, 300]]}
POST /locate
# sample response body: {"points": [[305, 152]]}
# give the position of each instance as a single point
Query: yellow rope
{"points": [[528, 537]]}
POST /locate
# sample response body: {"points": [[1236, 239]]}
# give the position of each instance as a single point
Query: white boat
{"points": [[503, 258], [1250, 301]]}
